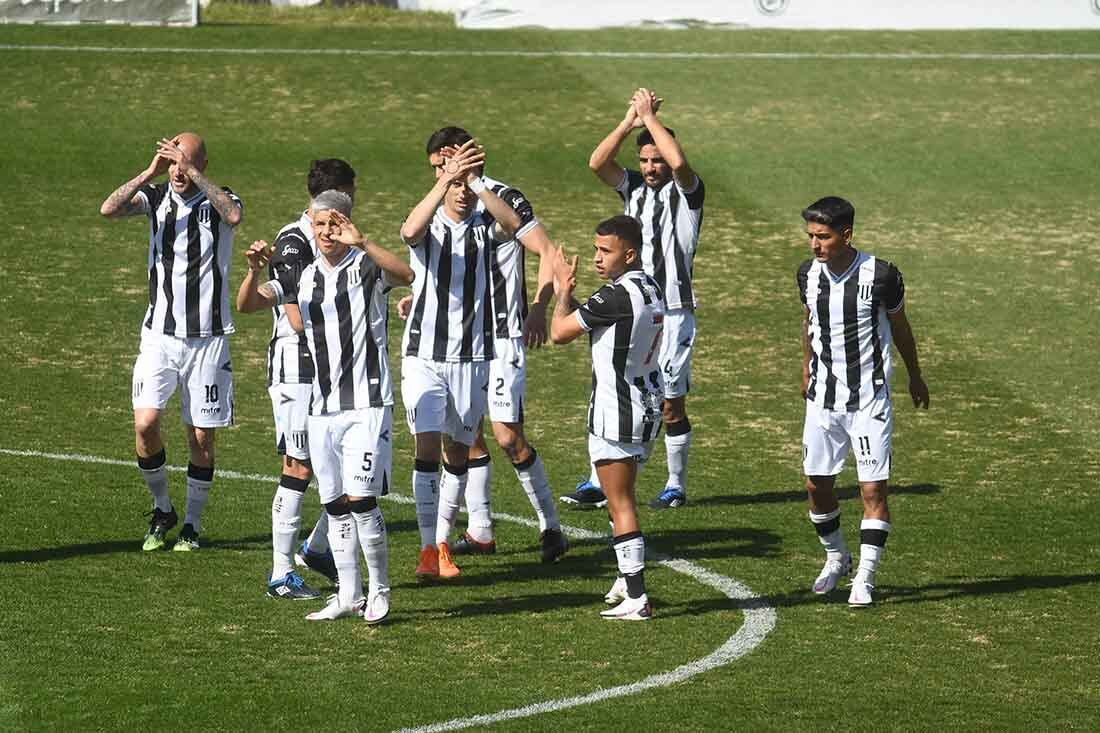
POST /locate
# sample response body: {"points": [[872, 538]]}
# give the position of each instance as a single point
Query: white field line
{"points": [[760, 618], [631, 55]]}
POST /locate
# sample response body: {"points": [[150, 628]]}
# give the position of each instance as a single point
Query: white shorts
{"points": [[827, 435], [352, 452], [507, 381], [602, 449], [200, 367], [676, 346], [290, 404], [441, 397]]}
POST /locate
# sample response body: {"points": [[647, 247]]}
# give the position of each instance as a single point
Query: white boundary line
{"points": [[760, 618], [656, 55]]}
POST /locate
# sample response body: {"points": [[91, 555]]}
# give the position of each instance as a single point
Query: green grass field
{"points": [[978, 177]]}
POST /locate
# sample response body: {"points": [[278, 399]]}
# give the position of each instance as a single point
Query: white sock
{"points": [[478, 501], [156, 480], [344, 540], [594, 478], [286, 517], [372, 539], [833, 538], [677, 448], [630, 554], [199, 480], [426, 494], [318, 538], [872, 538], [451, 487], [532, 476]]}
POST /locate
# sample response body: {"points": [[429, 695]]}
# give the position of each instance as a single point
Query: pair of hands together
{"points": [[643, 105]]}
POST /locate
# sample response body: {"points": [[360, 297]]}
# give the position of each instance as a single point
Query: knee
{"points": [[338, 507], [147, 425], [673, 410], [296, 468], [513, 443]]}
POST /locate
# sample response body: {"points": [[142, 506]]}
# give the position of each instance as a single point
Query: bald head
{"points": [[193, 145]]}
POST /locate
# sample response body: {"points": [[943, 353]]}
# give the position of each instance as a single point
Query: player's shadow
{"points": [[889, 595], [799, 495], [110, 547], [507, 604], [713, 542]]}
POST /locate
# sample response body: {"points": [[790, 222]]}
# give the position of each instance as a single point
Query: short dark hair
{"points": [[444, 137], [834, 212], [327, 174], [645, 137], [626, 228]]}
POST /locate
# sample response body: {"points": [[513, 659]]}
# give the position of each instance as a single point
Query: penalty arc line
{"points": [[636, 55], [760, 618]]}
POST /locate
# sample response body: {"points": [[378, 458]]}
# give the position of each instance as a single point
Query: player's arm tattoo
{"points": [[121, 202], [218, 198]]}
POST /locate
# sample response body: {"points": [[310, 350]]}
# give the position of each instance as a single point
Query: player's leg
{"points": [[478, 539], [325, 440], [206, 403], [824, 447], [871, 430], [367, 455], [155, 378], [531, 473], [452, 486], [617, 476], [424, 395], [676, 349]]}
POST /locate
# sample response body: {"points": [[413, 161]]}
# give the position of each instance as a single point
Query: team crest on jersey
{"points": [[354, 276], [204, 214], [865, 291]]}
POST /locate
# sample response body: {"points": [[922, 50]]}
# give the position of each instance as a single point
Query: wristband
{"points": [[477, 185]]}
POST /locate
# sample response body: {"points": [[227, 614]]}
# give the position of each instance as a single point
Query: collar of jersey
{"points": [[625, 275], [851, 268], [330, 269], [443, 213], [190, 203]]}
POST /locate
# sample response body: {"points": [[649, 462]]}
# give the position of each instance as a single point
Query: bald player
{"points": [[184, 333]]}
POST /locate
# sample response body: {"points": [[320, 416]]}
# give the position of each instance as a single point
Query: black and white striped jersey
{"points": [[189, 252], [452, 313], [850, 333], [288, 358], [508, 279], [344, 310], [625, 320], [671, 218]]}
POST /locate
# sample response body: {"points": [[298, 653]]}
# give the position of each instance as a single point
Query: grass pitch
{"points": [[976, 176]]}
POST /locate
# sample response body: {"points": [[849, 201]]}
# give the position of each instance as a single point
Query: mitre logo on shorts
{"points": [[213, 410], [868, 462], [361, 478]]}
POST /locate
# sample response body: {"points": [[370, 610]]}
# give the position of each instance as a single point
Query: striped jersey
{"points": [[625, 321], [288, 358], [849, 330], [452, 313], [671, 218], [508, 279], [189, 252], [344, 311]]}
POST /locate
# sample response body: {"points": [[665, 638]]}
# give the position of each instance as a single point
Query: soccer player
{"points": [[448, 341], [289, 383], [184, 338], [666, 196], [853, 309], [625, 321], [516, 327], [342, 309]]}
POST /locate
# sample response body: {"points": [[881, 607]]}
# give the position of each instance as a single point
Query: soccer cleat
{"points": [[617, 594], [671, 497], [860, 597], [291, 587], [158, 527], [631, 609], [587, 496], [318, 562], [553, 544], [467, 545], [188, 540], [428, 567], [377, 607], [447, 567], [833, 571], [333, 610]]}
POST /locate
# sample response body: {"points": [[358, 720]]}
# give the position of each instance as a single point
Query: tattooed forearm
{"points": [[267, 291], [218, 198], [121, 202]]}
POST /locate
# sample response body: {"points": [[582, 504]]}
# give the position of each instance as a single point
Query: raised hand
{"points": [[465, 162], [565, 274], [258, 255], [171, 150], [645, 104], [158, 166], [346, 232], [404, 307]]}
